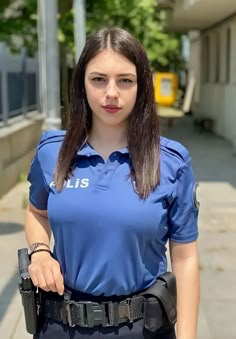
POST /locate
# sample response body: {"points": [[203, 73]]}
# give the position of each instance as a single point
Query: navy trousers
{"points": [[54, 330]]}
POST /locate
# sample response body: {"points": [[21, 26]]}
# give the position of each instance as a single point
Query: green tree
{"points": [[18, 24], [145, 21], [142, 18], [66, 45]]}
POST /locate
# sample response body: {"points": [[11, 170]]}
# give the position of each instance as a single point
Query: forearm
{"points": [[187, 277], [37, 228], [187, 298]]}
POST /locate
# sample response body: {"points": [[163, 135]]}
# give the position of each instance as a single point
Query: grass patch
{"points": [[223, 230], [22, 177], [219, 269], [25, 201]]}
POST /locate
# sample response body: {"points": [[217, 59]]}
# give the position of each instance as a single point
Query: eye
{"points": [[126, 81], [98, 79]]}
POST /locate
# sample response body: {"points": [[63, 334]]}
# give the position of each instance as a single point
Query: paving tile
{"points": [[221, 317]]}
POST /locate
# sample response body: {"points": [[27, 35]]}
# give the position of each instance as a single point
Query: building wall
{"points": [[17, 147], [215, 69]]}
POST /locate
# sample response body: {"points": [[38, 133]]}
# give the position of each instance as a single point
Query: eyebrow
{"points": [[119, 75]]}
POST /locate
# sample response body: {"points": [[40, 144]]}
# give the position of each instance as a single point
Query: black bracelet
{"points": [[41, 250]]}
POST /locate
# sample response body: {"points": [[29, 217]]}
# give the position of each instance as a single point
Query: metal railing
{"points": [[18, 84]]}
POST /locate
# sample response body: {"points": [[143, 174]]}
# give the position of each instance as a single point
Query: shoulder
{"points": [[174, 150], [44, 161], [173, 157], [48, 148], [52, 137]]}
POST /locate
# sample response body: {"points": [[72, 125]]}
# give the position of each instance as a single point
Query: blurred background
{"points": [[191, 45]]}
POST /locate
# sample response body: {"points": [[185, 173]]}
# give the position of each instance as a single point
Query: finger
{"points": [[42, 282], [49, 279], [33, 276], [34, 280], [58, 278]]}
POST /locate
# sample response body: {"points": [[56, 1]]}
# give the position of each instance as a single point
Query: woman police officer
{"points": [[113, 192]]}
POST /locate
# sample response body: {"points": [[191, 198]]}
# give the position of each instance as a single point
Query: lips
{"points": [[111, 108]]}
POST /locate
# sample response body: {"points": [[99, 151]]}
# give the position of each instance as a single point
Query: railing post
{"points": [[4, 84], [37, 89], [5, 105], [25, 83]]}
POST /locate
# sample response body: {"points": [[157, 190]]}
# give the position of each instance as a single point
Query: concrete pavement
{"points": [[215, 169]]}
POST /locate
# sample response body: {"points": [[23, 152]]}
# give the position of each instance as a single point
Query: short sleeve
{"points": [[38, 192], [183, 213]]}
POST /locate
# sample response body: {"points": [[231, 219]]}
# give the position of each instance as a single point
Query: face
{"points": [[111, 88]]}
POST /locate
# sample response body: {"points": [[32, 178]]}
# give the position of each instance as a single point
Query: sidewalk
{"points": [[215, 169], [11, 238]]}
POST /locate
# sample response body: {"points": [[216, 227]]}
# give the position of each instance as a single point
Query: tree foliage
{"points": [[145, 21], [142, 18], [18, 24]]}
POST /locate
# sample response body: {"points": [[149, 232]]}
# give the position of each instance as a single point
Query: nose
{"points": [[112, 90]]}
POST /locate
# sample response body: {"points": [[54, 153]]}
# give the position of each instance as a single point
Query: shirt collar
{"points": [[88, 150], [124, 150]]}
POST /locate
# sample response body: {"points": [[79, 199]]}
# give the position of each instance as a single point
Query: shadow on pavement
{"points": [[8, 293], [212, 156], [9, 228]]}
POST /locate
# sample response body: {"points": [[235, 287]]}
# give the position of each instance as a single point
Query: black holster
{"points": [[29, 294], [160, 309]]}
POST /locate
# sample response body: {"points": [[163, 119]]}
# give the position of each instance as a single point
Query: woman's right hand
{"points": [[45, 273]]}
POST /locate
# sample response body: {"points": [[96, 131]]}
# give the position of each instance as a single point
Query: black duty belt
{"points": [[90, 314]]}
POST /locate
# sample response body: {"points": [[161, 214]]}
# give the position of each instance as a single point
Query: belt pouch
{"points": [[160, 304], [153, 314], [29, 305]]}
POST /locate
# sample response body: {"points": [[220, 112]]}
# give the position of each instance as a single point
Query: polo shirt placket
{"points": [[104, 180], [106, 169]]}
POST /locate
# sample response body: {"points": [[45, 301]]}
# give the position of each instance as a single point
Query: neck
{"points": [[107, 139]]}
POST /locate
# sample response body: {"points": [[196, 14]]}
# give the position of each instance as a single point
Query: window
{"points": [[217, 57], [228, 55], [206, 59]]}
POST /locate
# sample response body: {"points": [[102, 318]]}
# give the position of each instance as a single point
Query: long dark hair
{"points": [[143, 127]]}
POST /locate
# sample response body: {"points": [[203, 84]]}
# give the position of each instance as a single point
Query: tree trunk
{"points": [[64, 88]]}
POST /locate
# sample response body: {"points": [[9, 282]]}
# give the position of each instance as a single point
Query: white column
{"points": [[79, 27], [49, 70]]}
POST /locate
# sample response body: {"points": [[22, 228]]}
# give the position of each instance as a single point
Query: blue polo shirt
{"points": [[107, 240]]}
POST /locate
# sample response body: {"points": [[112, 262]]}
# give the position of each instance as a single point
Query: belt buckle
{"points": [[124, 306], [95, 314], [68, 314], [66, 309], [113, 313]]}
